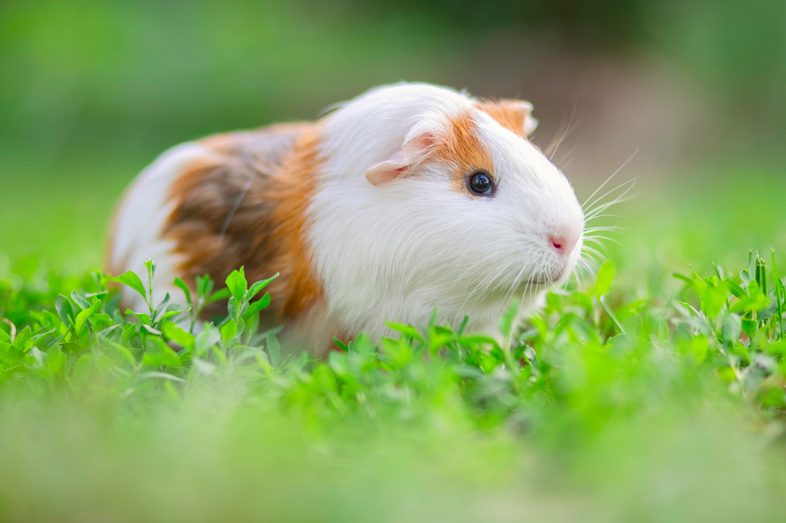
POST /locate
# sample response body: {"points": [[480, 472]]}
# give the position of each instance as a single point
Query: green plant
{"points": [[592, 359]]}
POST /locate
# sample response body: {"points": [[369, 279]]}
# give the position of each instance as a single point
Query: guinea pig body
{"points": [[409, 198]]}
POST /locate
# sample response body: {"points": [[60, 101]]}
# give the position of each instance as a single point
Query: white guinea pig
{"points": [[408, 198]]}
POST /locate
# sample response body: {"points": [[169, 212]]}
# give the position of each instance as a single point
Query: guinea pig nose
{"points": [[562, 244]]}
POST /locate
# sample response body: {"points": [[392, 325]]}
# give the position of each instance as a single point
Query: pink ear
{"points": [[386, 171], [414, 151]]}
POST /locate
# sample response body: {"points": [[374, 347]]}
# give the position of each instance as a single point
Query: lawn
{"points": [[653, 392]]}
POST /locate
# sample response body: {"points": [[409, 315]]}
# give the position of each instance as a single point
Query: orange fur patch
{"points": [[248, 208], [462, 149], [507, 113], [294, 195]]}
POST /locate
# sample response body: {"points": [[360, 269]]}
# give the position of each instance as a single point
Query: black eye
{"points": [[480, 184]]}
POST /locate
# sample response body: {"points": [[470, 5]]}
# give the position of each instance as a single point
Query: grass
{"points": [[653, 393]]}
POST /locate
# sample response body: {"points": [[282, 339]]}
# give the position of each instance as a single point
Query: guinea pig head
{"points": [[481, 213]]}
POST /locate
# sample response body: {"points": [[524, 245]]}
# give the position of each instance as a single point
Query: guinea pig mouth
{"points": [[547, 280], [543, 281], [540, 281]]}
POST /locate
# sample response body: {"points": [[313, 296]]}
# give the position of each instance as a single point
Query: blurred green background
{"points": [[693, 90], [93, 90]]}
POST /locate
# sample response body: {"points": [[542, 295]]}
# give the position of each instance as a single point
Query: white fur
{"points": [[398, 250], [138, 227], [372, 128]]}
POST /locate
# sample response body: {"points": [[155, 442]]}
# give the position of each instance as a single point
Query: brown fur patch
{"points": [[507, 113], [462, 149], [248, 208]]}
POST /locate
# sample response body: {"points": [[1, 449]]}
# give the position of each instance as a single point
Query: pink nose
{"points": [[562, 244]]}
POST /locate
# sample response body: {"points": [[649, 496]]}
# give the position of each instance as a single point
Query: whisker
{"points": [[576, 272], [608, 179], [606, 206], [516, 283], [597, 239], [566, 157], [624, 197], [604, 228], [595, 217], [589, 209], [579, 270], [594, 252], [551, 154], [489, 279]]}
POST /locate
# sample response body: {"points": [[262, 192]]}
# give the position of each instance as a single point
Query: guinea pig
{"points": [[407, 199]]}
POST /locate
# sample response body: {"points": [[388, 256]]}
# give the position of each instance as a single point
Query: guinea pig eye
{"points": [[480, 184]]}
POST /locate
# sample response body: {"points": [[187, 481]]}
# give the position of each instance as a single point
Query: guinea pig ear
{"points": [[513, 114], [414, 151], [525, 108]]}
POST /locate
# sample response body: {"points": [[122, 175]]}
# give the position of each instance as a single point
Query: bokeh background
{"points": [[692, 90]]}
